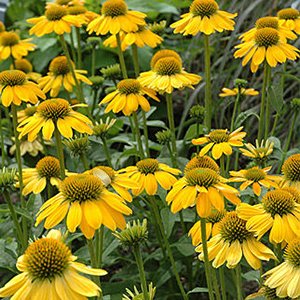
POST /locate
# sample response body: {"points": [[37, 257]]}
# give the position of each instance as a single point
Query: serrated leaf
{"points": [[276, 96]]}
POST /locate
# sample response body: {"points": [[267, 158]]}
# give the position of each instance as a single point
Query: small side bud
{"points": [[7, 179], [163, 137], [111, 72], [198, 112], [77, 145], [240, 83]]}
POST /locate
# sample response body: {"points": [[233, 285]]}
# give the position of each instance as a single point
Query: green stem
{"points": [[95, 94], [43, 143], [207, 120], [15, 219], [60, 152], [172, 126], [268, 106], [138, 135], [132, 127], [263, 102], [84, 161], [139, 261], [49, 189], [261, 272], [91, 248], [99, 245], [93, 61], [135, 60], [121, 57], [198, 133], [145, 129], [161, 227], [238, 270], [283, 77], [215, 283], [222, 164], [2, 141], [289, 139], [103, 139], [20, 169], [73, 46], [79, 57], [171, 154], [67, 54], [206, 261], [222, 281], [275, 124], [182, 222]]}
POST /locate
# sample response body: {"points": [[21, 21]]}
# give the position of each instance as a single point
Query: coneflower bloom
{"points": [[119, 183], [29, 111], [25, 66], [291, 171], [49, 271], [60, 75], [15, 88], [142, 37], [204, 188], [211, 225], [128, 96], [256, 177], [51, 113], [290, 18], [286, 276], [202, 162], [56, 19], [148, 173], [221, 141], [11, 45], [232, 242], [32, 148], [278, 213], [204, 16], [268, 45], [233, 92], [87, 203], [115, 17]]}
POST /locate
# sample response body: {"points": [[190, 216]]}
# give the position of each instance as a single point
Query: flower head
{"points": [[101, 129], [80, 11], [211, 225], [49, 269], [232, 241], [141, 38], [77, 145], [167, 73], [290, 18], [164, 136], [221, 141], [202, 162], [285, 277], [197, 112], [115, 17], [136, 295], [15, 88], [7, 179], [294, 192], [233, 92], [291, 171], [55, 113], [158, 28], [25, 66], [204, 16], [11, 45], [255, 177], [128, 97], [120, 183], [147, 173], [111, 72], [60, 75], [278, 213], [267, 44], [56, 19], [204, 188], [88, 205]]}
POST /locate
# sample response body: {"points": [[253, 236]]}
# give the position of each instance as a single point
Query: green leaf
{"points": [[242, 117], [168, 220], [276, 96], [252, 276], [192, 132], [288, 75], [198, 290], [185, 246], [20, 211]]}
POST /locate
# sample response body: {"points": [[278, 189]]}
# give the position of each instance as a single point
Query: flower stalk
{"points": [[79, 55], [121, 57], [207, 120], [172, 127], [60, 152]]}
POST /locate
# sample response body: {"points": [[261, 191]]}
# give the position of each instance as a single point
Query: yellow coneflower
{"points": [[204, 188], [267, 293], [11, 45], [101, 129], [29, 111], [142, 37], [233, 92], [148, 173], [202, 162], [81, 11], [15, 88], [268, 22], [291, 171], [2, 27], [256, 177], [128, 97], [32, 148], [56, 19], [268, 45], [25, 66], [50, 271], [211, 225], [60, 75], [46, 171], [260, 151], [204, 16], [88, 205], [290, 18], [118, 182], [278, 212], [135, 295], [115, 17], [286, 276], [232, 241], [167, 73], [66, 3], [294, 192], [221, 141], [55, 112]]}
